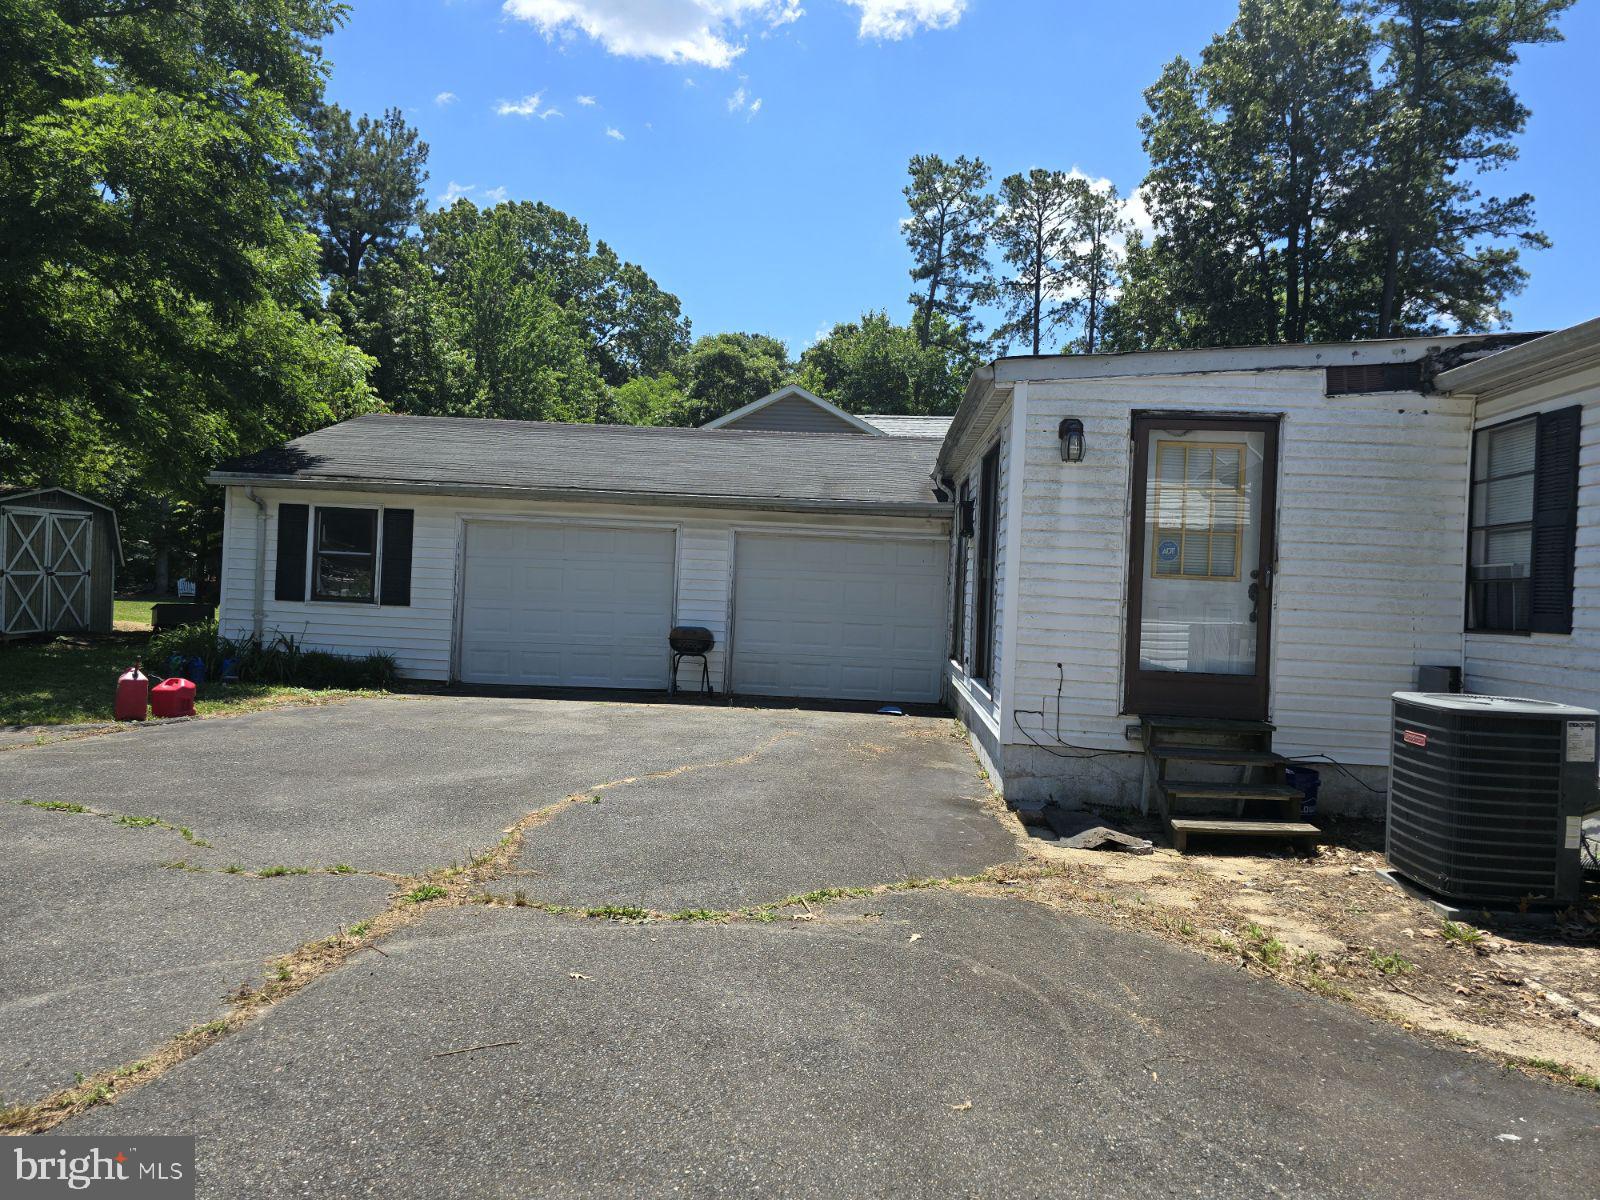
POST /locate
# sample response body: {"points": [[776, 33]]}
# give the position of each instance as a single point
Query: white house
{"points": [[1270, 534], [1263, 540]]}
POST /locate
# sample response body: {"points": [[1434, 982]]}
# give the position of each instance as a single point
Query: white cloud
{"points": [[613, 132], [586, 101], [456, 191], [895, 19], [445, 98], [495, 195], [705, 32], [528, 106], [742, 101]]}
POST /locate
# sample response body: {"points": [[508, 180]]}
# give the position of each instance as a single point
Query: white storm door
{"points": [[566, 605], [841, 618]]}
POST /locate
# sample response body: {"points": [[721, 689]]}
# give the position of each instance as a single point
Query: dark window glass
{"points": [[345, 554], [958, 604], [1500, 544], [988, 537]]}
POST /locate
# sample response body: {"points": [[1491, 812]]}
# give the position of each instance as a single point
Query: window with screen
{"points": [[1198, 504]]}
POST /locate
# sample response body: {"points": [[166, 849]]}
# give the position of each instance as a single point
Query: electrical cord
{"points": [[1342, 769]]}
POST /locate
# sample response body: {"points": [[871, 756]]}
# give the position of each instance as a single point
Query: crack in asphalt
{"points": [[290, 972]]}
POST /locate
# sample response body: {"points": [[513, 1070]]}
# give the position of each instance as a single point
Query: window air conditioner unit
{"points": [[1487, 797]]}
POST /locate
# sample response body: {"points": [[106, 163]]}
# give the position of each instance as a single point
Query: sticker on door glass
{"points": [[1167, 550], [1580, 741]]}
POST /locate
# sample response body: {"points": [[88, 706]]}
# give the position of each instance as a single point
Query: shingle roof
{"points": [[697, 465], [898, 426]]}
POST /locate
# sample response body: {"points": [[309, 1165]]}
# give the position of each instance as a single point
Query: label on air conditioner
{"points": [[1580, 741], [1574, 832], [1412, 737]]}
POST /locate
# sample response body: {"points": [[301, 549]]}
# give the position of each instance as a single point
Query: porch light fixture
{"points": [[1071, 435]]}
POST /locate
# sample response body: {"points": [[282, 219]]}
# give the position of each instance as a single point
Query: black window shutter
{"points": [[1555, 520], [290, 581], [396, 586]]}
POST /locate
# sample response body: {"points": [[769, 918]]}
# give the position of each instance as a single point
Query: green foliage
{"points": [[510, 312], [947, 233], [726, 371], [649, 400], [157, 306], [361, 185], [1034, 234], [1317, 175], [281, 661], [424, 893], [874, 365]]}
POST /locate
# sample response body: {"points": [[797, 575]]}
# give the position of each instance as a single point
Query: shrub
{"points": [[281, 662]]}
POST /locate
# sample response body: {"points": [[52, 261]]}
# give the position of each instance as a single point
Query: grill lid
{"points": [[691, 639]]}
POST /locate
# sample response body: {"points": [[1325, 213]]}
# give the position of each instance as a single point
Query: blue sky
{"points": [[750, 153]]}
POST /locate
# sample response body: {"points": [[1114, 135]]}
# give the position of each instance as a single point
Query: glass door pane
{"points": [[1202, 541]]}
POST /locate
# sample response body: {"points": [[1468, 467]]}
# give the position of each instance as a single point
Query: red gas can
{"points": [[172, 698], [133, 695]]}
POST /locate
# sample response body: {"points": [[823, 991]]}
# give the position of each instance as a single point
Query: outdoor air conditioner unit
{"points": [[1487, 797]]}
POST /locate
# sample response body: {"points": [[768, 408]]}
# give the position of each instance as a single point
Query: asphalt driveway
{"points": [[926, 1041]]}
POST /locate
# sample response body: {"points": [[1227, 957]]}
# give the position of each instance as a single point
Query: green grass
{"points": [[279, 871], [1390, 964], [135, 613], [73, 681], [1561, 1070], [420, 895]]}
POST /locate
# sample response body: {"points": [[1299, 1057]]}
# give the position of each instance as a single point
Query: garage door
{"points": [[839, 618], [566, 605]]}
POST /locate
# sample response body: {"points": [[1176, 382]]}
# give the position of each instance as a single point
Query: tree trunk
{"points": [[1038, 290]]}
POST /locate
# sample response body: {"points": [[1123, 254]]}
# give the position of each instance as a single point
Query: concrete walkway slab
{"points": [[108, 954], [1006, 1051]]}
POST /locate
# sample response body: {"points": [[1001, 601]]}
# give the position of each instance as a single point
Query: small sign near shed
{"points": [[59, 554]]}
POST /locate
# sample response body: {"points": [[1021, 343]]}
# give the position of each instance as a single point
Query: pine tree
{"points": [[947, 232]]}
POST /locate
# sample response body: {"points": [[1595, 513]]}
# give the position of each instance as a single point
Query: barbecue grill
{"points": [[692, 641]]}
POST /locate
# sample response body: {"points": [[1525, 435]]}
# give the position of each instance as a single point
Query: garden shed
{"points": [[59, 554]]}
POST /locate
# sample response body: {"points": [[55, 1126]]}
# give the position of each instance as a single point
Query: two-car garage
{"points": [[572, 604]]}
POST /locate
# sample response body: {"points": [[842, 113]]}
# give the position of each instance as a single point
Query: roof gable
{"points": [[792, 409]]}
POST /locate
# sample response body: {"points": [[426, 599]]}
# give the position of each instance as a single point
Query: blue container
{"points": [[1307, 780], [197, 670]]}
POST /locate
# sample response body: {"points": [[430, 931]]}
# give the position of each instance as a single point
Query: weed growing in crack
{"points": [[619, 912], [340, 869], [56, 806], [282, 973], [697, 914], [275, 872], [137, 822], [519, 899], [188, 836], [233, 869], [359, 929], [424, 893]]}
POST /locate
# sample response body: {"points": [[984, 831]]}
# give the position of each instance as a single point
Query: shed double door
{"points": [[1201, 554], [44, 571]]}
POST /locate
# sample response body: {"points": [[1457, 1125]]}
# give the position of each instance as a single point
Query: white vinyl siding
{"points": [[1371, 543], [421, 634], [1543, 666]]}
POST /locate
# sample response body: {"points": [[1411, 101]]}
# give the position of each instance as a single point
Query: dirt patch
{"points": [[1523, 992]]}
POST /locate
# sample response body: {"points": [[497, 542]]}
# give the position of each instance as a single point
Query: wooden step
{"points": [[1188, 790], [1183, 827], [1206, 725], [1221, 756]]}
